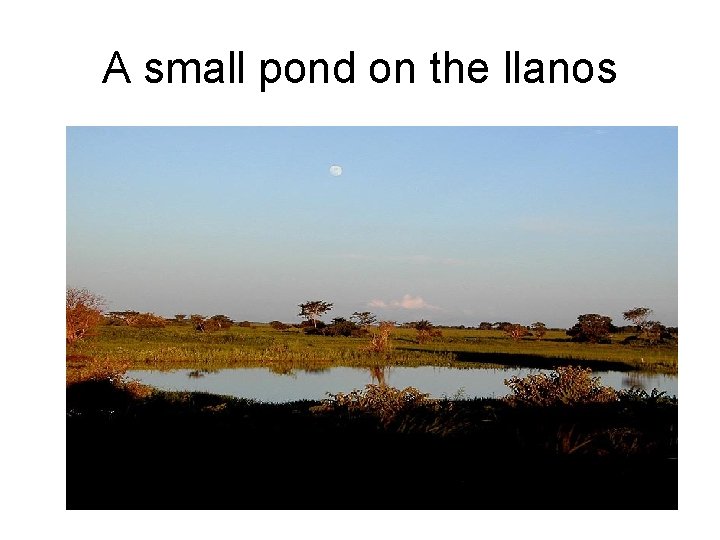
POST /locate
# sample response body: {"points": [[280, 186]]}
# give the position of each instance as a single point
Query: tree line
{"points": [[84, 313]]}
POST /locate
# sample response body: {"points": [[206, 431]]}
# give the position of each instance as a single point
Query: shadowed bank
{"points": [[381, 449]]}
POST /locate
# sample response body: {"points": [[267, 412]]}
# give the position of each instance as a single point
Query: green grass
{"points": [[180, 346]]}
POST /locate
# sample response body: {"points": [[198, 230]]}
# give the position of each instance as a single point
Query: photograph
{"points": [[371, 317]]}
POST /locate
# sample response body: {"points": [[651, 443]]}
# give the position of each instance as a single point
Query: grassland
{"points": [[179, 346]]}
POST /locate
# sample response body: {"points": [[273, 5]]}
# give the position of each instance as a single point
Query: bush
{"points": [[341, 327], [592, 328], [380, 342], [382, 402], [277, 325], [146, 320], [565, 386], [210, 324], [516, 331], [83, 314], [426, 331]]}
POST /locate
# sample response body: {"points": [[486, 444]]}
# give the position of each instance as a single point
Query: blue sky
{"points": [[457, 225]]}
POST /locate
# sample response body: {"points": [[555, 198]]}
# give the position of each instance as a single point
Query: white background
{"points": [[53, 59]]}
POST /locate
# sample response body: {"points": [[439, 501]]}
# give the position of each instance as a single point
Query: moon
{"points": [[336, 170]]}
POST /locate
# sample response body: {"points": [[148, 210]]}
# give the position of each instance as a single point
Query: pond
{"points": [[263, 385]]}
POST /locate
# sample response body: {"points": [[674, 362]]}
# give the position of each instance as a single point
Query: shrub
{"points": [[516, 331], [426, 331], [538, 329], [384, 403], [221, 322], [210, 324], [277, 325], [591, 328], [146, 320], [380, 342], [83, 370], [565, 386], [83, 314], [341, 327]]}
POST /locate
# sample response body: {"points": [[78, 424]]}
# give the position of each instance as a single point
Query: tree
{"points": [[145, 320], [180, 317], [210, 324], [538, 329], [278, 325], [218, 322], [198, 322], [591, 328], [312, 310], [364, 318], [83, 313], [638, 316], [426, 331], [340, 327], [516, 331]]}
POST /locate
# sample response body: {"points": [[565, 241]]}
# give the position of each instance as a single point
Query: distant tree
{"points": [[312, 310], [638, 316], [502, 325], [654, 332], [180, 317], [426, 331], [145, 320], [120, 318], [340, 327], [538, 329], [363, 318], [218, 322], [83, 313], [591, 328], [485, 326], [516, 331], [198, 322], [277, 325]]}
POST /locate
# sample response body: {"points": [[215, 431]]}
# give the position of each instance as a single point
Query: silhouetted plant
{"points": [[565, 386], [378, 400], [363, 318]]}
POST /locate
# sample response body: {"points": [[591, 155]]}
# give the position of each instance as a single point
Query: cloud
{"points": [[411, 302], [408, 301]]}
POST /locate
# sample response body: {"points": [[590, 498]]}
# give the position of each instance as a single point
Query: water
{"points": [[263, 385]]}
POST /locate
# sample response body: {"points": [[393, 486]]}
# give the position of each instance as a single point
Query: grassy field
{"points": [[179, 346]]}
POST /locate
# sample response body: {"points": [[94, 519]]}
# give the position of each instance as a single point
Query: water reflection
{"points": [[377, 375], [633, 380], [265, 385]]}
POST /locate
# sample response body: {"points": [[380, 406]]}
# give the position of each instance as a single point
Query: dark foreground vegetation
{"points": [[129, 447]]}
